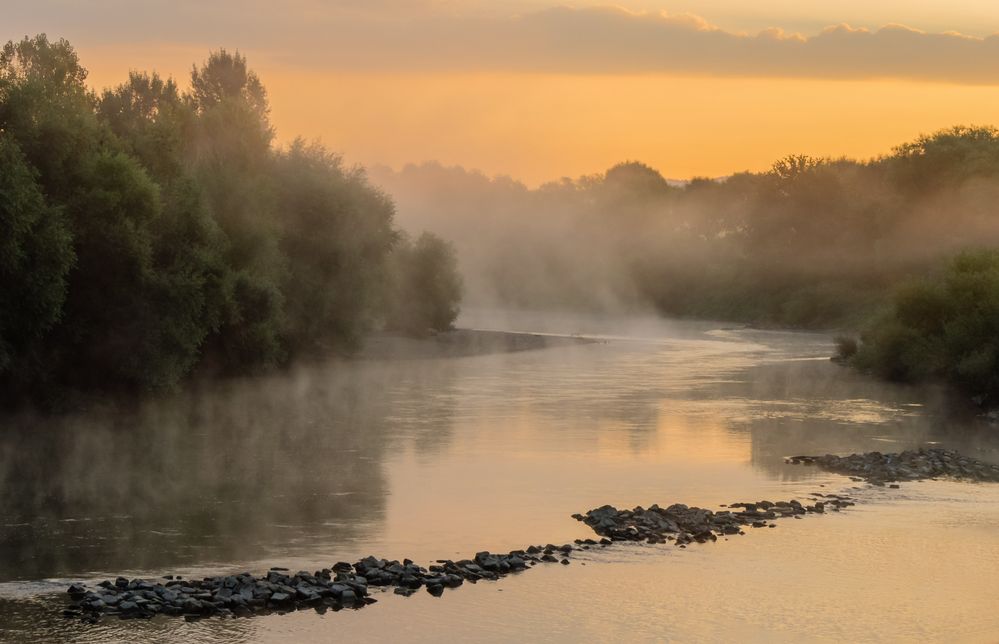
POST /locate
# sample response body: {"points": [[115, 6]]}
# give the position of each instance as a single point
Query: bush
{"points": [[846, 347], [426, 287], [942, 328]]}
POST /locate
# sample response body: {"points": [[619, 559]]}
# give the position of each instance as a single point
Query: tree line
{"points": [[148, 231]]}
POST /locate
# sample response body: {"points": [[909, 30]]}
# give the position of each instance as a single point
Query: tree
{"points": [[232, 159], [942, 328], [337, 232], [36, 254], [427, 287]]}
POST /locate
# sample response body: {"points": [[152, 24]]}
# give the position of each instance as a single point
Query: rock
{"points": [[911, 465], [347, 585]]}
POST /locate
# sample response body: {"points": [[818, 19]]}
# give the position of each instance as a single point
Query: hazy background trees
{"points": [[810, 243], [814, 243]]}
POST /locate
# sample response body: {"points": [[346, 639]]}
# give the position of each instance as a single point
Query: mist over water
{"points": [[435, 458]]}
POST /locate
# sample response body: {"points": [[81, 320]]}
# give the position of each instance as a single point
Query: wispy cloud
{"points": [[611, 40], [428, 36]]}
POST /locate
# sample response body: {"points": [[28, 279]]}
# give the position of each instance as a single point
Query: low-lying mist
{"points": [[811, 243]]}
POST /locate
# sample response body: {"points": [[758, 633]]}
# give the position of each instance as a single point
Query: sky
{"points": [[539, 90]]}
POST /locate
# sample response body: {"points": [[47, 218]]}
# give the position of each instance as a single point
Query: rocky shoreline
{"points": [[346, 585], [911, 465]]}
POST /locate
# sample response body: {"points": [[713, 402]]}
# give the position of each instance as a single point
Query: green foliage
{"points": [[46, 108], [339, 230], [943, 328], [426, 287], [152, 122], [945, 158], [148, 231], [35, 257], [233, 162]]}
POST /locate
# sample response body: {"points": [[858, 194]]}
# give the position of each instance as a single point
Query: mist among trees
{"points": [[811, 243], [150, 231]]}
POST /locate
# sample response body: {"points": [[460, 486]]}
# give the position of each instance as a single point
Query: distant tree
{"points": [[944, 159], [427, 287]]}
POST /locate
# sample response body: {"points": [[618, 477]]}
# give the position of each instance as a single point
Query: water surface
{"points": [[440, 458]]}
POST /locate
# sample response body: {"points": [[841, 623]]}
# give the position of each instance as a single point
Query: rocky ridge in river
{"points": [[345, 585], [911, 465]]}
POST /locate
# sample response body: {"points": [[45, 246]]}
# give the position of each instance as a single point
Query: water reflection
{"points": [[430, 458], [238, 472]]}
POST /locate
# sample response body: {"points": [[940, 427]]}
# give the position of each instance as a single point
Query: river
{"points": [[440, 458]]}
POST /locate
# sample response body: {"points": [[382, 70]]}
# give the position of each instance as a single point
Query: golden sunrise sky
{"points": [[538, 89]]}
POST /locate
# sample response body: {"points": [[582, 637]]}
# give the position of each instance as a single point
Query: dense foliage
{"points": [[426, 288], [148, 231], [940, 328]]}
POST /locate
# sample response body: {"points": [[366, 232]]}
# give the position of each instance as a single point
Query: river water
{"points": [[433, 459]]}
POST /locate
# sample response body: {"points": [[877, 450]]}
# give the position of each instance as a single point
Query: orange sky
{"points": [[544, 93]]}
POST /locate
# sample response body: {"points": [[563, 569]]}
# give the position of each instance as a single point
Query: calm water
{"points": [[440, 458]]}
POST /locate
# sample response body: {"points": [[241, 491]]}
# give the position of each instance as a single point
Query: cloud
{"points": [[613, 40], [435, 36]]}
